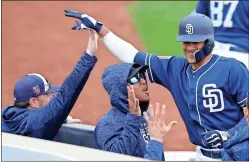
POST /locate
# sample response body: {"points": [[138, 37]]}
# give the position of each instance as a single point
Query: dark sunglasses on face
{"points": [[136, 79]]}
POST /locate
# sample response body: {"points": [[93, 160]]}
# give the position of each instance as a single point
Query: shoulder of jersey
{"points": [[165, 57], [222, 58], [228, 60], [177, 60]]}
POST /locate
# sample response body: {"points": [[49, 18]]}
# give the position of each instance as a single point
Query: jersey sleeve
{"points": [[238, 83], [161, 68], [202, 7], [48, 119], [154, 151]]}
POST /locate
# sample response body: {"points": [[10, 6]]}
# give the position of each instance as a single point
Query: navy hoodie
{"points": [[118, 130], [45, 122], [237, 147]]}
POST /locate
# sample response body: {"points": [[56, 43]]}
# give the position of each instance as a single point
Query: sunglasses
{"points": [[136, 79]]}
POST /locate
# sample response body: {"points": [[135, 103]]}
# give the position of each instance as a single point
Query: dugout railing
{"points": [[15, 147], [77, 134], [83, 135], [21, 148]]}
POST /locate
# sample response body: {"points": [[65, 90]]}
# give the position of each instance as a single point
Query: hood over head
{"points": [[14, 118], [114, 80]]}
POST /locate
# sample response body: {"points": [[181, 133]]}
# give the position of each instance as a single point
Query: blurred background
{"points": [[37, 37], [157, 22]]}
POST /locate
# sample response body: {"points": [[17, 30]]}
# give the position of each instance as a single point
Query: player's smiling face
{"points": [[189, 48], [140, 87]]}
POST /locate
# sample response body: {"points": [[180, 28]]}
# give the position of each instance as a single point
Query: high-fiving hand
{"points": [[133, 102], [87, 22], [156, 124]]}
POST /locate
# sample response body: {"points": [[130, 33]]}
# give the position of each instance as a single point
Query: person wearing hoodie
{"points": [[235, 141], [123, 129], [39, 108], [155, 119]]}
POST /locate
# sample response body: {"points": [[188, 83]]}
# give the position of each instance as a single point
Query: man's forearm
{"points": [[55, 113], [103, 32], [121, 49]]}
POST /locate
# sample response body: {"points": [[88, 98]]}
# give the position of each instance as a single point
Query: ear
{"points": [[33, 102]]}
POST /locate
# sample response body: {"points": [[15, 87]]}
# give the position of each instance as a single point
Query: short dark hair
{"points": [[24, 104]]}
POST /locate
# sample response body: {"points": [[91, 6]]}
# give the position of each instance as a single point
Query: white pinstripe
{"points": [[151, 70]]}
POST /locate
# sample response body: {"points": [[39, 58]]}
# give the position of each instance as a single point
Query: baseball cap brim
{"points": [[53, 88], [137, 69], [191, 38]]}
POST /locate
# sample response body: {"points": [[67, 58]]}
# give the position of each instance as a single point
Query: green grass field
{"points": [[157, 24]]}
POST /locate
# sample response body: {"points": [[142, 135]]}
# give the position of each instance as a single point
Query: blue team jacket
{"points": [[118, 130], [154, 151], [45, 122], [237, 147]]}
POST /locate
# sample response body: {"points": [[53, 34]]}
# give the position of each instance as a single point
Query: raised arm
{"points": [[159, 68], [49, 118], [121, 49]]}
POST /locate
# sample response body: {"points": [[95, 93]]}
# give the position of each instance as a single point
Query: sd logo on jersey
{"points": [[145, 133], [213, 98]]}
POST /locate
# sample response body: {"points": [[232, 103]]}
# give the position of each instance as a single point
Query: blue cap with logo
{"points": [[32, 85], [197, 27]]}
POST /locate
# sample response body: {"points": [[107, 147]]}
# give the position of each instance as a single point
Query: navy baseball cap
{"points": [[195, 28], [135, 69], [32, 85]]}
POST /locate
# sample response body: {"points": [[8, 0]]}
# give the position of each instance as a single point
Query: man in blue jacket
{"points": [[235, 141], [123, 129], [120, 130], [155, 120], [40, 109]]}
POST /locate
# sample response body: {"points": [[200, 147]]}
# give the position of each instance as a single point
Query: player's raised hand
{"points": [[133, 102], [156, 125], [215, 139], [92, 43], [87, 22]]}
